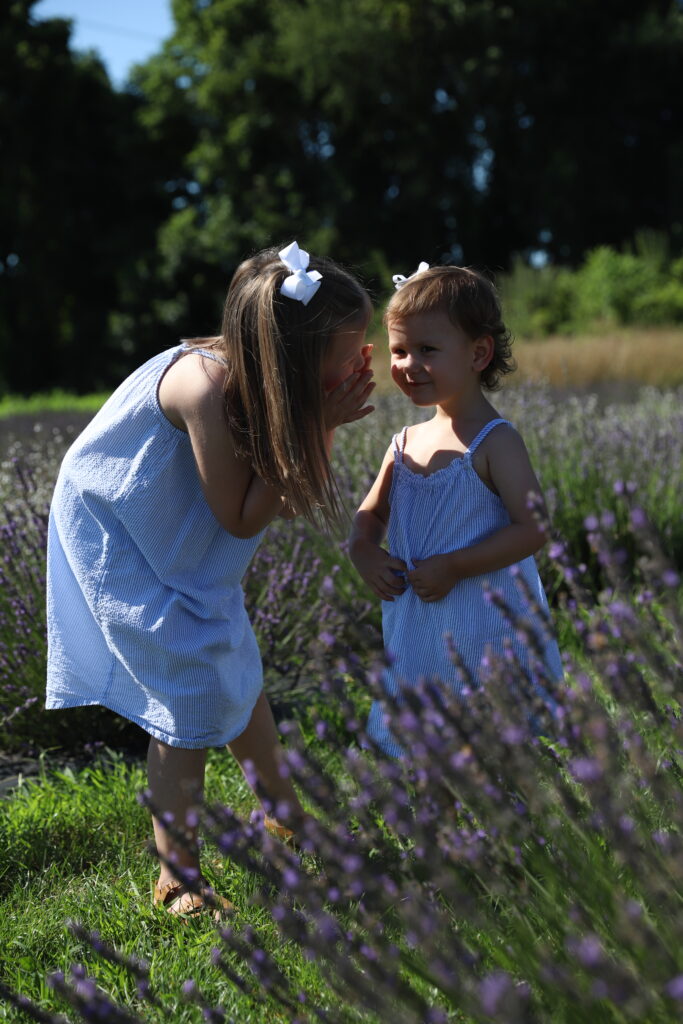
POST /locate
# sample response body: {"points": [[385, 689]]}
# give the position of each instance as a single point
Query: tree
{"points": [[75, 205], [380, 132], [385, 131], [581, 104]]}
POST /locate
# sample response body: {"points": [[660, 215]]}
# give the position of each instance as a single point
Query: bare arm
{"points": [[510, 471], [375, 565], [191, 396]]}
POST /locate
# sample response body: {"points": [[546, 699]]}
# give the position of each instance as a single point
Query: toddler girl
{"points": [[451, 494], [159, 507]]}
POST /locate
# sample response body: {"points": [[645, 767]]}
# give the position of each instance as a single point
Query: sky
{"points": [[124, 32]]}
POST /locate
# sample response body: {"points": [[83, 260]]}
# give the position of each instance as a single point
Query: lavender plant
{"points": [[582, 451], [301, 591], [524, 864]]}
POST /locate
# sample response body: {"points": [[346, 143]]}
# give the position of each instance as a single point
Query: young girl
{"points": [[451, 494], [159, 507]]}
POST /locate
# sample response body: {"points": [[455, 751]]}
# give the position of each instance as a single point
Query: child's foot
{"points": [[289, 836], [286, 835], [177, 898]]}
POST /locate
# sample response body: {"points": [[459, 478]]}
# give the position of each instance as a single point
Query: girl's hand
{"points": [[346, 402], [382, 573], [433, 578]]}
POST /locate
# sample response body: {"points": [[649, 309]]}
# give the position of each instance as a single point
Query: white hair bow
{"points": [[399, 280], [300, 285]]}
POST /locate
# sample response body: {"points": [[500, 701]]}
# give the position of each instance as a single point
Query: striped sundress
{"points": [[449, 509], [144, 600]]}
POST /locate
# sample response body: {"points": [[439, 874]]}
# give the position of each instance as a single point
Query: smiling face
{"points": [[432, 360]]}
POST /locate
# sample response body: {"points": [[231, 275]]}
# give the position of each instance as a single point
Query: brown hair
{"points": [[471, 302], [274, 348]]}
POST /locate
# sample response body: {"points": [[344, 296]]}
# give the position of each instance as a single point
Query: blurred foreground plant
{"points": [[524, 863]]}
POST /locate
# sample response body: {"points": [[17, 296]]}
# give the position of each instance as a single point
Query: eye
{"points": [[427, 348]]}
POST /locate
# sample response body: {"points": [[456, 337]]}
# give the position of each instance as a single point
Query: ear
{"points": [[482, 352]]}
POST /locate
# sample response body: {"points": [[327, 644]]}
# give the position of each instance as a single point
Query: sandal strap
{"points": [[286, 835], [166, 895], [169, 891]]}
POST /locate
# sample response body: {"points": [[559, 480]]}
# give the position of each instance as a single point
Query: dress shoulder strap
{"points": [[206, 352], [484, 432], [398, 442]]}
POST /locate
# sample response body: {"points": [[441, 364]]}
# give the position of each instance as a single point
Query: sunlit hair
{"points": [[471, 302], [274, 349]]}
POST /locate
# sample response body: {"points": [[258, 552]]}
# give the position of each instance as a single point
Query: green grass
{"points": [[75, 847], [52, 401]]}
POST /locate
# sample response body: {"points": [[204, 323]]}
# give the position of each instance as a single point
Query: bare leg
{"points": [[176, 782], [260, 744]]}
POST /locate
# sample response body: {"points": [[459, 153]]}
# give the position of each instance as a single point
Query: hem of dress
{"points": [[389, 748], [64, 703]]}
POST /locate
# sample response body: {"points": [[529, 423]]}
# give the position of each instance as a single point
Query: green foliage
{"points": [[56, 400], [475, 131], [637, 285], [78, 199], [537, 301], [662, 302]]}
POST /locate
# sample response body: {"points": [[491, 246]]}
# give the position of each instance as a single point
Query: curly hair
{"points": [[471, 302]]}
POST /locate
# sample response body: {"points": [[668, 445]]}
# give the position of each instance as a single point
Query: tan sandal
{"points": [[170, 894], [281, 832]]}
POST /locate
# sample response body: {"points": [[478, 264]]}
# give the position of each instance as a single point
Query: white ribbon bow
{"points": [[399, 280], [299, 285]]}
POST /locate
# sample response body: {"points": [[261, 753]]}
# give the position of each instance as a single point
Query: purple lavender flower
{"points": [[674, 987], [586, 769], [492, 991]]}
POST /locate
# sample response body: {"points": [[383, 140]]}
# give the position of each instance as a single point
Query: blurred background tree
{"points": [[381, 132], [76, 204]]}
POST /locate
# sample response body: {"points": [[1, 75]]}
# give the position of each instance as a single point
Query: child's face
{"points": [[345, 356], [432, 360]]}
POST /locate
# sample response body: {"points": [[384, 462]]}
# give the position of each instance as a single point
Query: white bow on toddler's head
{"points": [[300, 284], [399, 280]]}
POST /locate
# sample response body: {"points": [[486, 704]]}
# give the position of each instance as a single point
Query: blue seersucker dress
{"points": [[144, 599], [449, 509]]}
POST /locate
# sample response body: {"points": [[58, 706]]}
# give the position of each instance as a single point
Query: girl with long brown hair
{"points": [[158, 509]]}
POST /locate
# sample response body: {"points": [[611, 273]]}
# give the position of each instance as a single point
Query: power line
{"points": [[115, 30]]}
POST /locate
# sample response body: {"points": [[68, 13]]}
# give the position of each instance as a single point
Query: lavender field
{"points": [[522, 867]]}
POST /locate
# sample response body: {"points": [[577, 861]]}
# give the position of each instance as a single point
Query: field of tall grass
{"points": [[611, 362], [517, 869]]}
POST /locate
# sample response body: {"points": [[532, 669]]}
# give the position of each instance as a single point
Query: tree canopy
{"points": [[380, 132]]}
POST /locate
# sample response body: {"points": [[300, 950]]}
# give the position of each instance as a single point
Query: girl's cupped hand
{"points": [[347, 402]]}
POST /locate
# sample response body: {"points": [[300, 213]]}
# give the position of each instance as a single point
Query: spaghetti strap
{"points": [[207, 352], [484, 433], [399, 444]]}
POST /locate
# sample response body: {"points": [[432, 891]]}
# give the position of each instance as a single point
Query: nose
{"points": [[409, 361]]}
